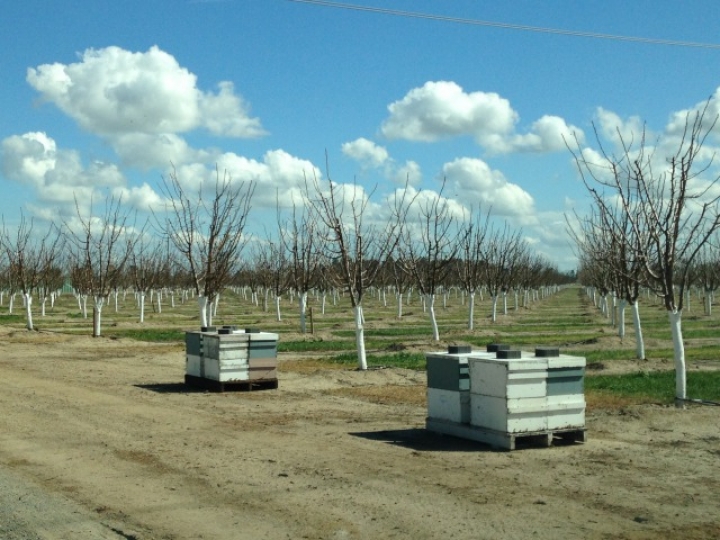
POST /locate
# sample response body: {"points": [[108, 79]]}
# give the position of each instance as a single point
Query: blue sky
{"points": [[102, 96]]}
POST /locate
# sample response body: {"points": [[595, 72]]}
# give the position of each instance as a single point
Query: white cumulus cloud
{"points": [[113, 91], [366, 152], [442, 109], [278, 177], [474, 182], [59, 177]]}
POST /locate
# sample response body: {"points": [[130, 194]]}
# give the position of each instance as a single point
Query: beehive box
{"points": [[231, 356], [513, 394], [531, 393], [448, 384]]}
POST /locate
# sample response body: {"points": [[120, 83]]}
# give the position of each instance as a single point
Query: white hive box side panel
{"points": [[450, 405], [508, 415]]}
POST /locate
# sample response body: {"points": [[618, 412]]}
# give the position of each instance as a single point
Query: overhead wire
{"points": [[508, 26]]}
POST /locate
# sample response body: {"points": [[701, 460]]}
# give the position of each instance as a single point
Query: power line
{"points": [[508, 26]]}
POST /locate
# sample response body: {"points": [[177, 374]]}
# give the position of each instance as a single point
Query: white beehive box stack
{"points": [[518, 394], [230, 357]]}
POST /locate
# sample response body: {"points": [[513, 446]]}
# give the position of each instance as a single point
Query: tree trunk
{"points": [[471, 311], [640, 342], [621, 319], [430, 304], [28, 310], [494, 307], [97, 315], [211, 309], [277, 308], [399, 306], [202, 306], [302, 305], [679, 348], [141, 302], [360, 338]]}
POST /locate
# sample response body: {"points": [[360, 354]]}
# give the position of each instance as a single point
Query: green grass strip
{"points": [[657, 386]]}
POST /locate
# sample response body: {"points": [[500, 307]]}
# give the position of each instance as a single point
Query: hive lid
{"points": [[459, 349], [495, 347]]}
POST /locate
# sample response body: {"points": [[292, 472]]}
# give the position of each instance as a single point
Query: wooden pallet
{"points": [[502, 440], [241, 386]]}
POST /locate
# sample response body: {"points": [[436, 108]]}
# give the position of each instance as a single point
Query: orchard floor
{"points": [[100, 438]]}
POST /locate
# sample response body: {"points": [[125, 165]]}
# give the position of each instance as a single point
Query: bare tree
{"points": [[208, 234], [100, 247], [29, 257], [471, 261], [147, 267], [670, 206], [359, 248], [608, 245], [503, 257], [301, 240], [707, 274], [429, 257]]}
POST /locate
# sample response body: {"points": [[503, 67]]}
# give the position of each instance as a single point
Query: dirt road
{"points": [[100, 439]]}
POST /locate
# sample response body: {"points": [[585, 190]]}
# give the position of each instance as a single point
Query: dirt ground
{"points": [[100, 438]]}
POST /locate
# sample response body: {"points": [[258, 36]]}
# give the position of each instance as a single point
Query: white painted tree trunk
{"points": [[266, 297], [277, 309], [323, 302], [215, 303], [302, 306], [202, 307], [494, 308], [210, 310], [83, 298], [141, 302], [360, 338], [11, 303], [430, 304], [621, 319], [639, 341], [679, 348], [28, 310], [399, 306], [504, 303], [115, 294], [97, 315], [42, 306], [471, 311], [159, 302]]}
